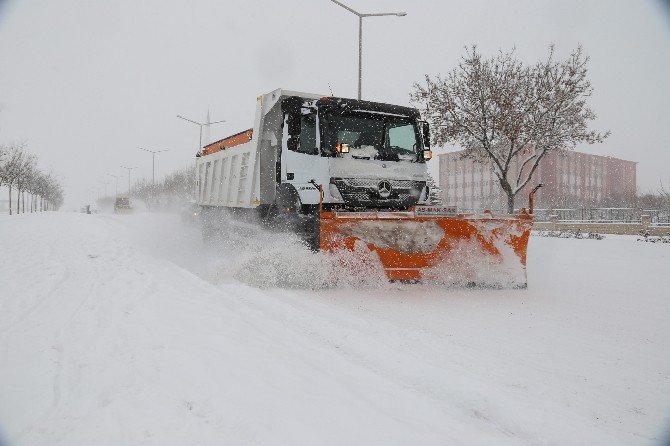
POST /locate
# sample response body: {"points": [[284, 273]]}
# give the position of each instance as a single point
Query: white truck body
{"points": [[246, 175]]}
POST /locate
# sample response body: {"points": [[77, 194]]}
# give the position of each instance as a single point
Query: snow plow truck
{"points": [[348, 174]]}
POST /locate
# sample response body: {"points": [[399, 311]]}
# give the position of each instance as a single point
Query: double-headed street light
{"points": [[360, 35], [200, 124], [129, 169], [153, 162]]}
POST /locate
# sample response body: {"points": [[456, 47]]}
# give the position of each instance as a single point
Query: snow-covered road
{"points": [[124, 330]]}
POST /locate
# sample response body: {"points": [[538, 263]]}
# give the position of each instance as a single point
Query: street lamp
{"points": [[116, 190], [200, 124], [129, 169], [360, 35], [153, 162]]}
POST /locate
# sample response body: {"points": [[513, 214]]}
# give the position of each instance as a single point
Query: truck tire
{"points": [[293, 216]]}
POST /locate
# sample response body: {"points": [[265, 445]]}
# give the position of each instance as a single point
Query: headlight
{"points": [[343, 148], [427, 154]]}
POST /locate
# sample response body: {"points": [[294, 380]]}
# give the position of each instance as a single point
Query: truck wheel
{"points": [[310, 227], [300, 219], [288, 207]]}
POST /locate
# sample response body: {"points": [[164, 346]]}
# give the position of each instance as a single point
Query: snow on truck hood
{"points": [[370, 152]]}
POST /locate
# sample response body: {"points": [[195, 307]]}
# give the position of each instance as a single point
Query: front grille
{"points": [[370, 183], [364, 192]]}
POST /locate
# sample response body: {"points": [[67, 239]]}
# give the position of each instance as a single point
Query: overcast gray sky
{"points": [[85, 83]]}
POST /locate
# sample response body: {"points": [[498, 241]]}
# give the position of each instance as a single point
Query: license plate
{"points": [[434, 211]]}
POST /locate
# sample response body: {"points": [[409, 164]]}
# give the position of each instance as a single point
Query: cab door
{"points": [[301, 161]]}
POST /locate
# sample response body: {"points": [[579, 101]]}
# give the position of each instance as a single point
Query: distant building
{"points": [[570, 178]]}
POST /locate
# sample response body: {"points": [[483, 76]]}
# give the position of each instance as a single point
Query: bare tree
{"points": [[53, 193], [18, 171], [41, 187], [31, 187], [176, 187], [24, 171], [12, 167], [509, 114], [665, 191]]}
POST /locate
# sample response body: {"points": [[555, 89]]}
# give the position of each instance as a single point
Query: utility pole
{"points": [[200, 124], [129, 169], [360, 35], [116, 190], [153, 162]]}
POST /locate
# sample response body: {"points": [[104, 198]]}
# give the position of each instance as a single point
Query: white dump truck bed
{"points": [[243, 175], [229, 177]]}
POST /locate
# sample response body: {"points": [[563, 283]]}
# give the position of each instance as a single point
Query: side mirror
{"points": [[293, 142], [291, 109], [293, 121], [425, 131]]}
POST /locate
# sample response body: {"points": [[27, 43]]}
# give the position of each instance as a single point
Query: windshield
{"points": [[371, 136]]}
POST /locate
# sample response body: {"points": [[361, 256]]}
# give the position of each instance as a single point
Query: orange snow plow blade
{"points": [[466, 248]]}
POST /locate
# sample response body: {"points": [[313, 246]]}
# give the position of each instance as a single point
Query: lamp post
{"points": [[116, 190], [153, 162], [128, 169], [360, 35], [200, 124]]}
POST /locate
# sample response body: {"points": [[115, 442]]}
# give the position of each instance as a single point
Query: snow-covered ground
{"points": [[124, 330]]}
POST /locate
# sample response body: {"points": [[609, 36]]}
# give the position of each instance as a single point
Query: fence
{"points": [[660, 217]]}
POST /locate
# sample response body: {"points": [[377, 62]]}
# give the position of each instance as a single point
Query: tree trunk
{"points": [[18, 198], [510, 203], [505, 186], [10, 199]]}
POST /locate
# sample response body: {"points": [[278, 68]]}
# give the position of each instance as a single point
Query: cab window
{"points": [[308, 135]]}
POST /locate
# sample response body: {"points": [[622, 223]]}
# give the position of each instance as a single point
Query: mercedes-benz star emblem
{"points": [[384, 189]]}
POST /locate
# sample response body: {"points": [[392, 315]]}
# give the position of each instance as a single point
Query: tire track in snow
{"points": [[337, 333], [74, 261]]}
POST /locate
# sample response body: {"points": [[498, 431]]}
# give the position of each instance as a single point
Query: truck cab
{"points": [[366, 155]]}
